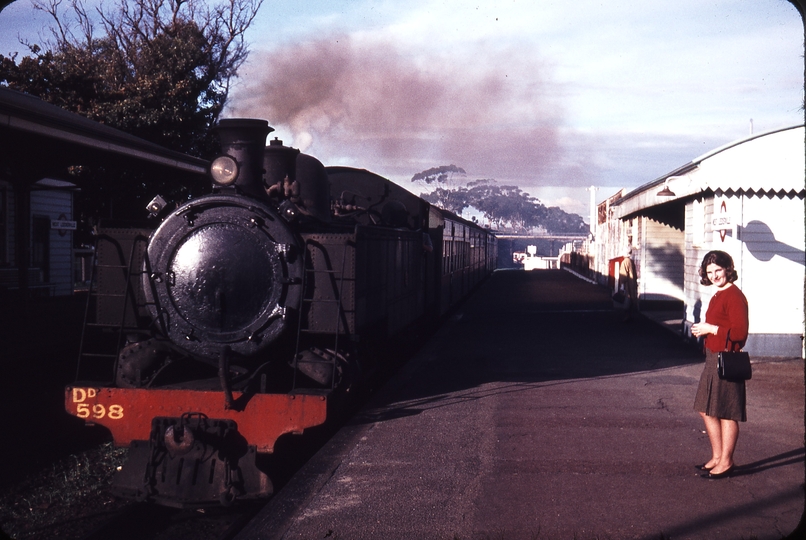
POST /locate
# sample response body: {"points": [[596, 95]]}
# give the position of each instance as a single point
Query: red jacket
{"points": [[728, 311]]}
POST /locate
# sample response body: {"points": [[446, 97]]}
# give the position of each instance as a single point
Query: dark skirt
{"points": [[718, 398]]}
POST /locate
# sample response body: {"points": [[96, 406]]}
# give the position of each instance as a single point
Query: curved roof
{"points": [[770, 162]]}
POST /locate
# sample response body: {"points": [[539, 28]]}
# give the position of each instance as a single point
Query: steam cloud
{"points": [[373, 106]]}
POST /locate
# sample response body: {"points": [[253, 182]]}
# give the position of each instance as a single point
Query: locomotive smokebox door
{"points": [[224, 271]]}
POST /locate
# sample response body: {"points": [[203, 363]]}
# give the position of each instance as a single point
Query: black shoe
{"points": [[702, 467], [718, 476]]}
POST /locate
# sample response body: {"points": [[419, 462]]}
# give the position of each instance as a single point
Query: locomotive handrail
{"points": [[305, 260], [338, 316], [128, 294], [87, 309], [309, 269]]}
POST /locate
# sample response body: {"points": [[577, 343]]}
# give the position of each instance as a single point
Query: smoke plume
{"points": [[375, 106]]}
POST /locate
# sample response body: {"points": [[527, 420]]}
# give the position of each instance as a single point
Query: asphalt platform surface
{"points": [[536, 413]]}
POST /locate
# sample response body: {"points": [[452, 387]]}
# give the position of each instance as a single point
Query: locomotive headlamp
{"points": [[224, 170], [156, 205]]}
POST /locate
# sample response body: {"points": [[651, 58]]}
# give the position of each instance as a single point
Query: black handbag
{"points": [[734, 365]]}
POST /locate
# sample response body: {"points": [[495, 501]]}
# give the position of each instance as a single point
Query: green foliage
{"points": [[440, 175], [501, 205], [449, 199], [161, 71], [560, 221]]}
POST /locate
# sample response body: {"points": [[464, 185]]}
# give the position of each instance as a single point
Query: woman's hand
{"points": [[701, 329]]}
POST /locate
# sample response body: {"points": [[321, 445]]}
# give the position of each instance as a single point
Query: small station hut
{"points": [[745, 198]]}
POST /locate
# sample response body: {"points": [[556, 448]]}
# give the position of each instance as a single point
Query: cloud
{"points": [[373, 104], [552, 97], [569, 204]]}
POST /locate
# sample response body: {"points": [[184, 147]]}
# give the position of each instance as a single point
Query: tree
{"points": [[451, 200], [162, 71], [559, 221], [159, 69], [504, 206], [439, 175]]}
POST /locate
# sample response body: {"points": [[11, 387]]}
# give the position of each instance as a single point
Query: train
{"points": [[223, 323]]}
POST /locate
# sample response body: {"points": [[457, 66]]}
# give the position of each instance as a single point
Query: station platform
{"points": [[536, 413]]}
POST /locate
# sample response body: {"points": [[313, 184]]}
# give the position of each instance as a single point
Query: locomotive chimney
{"points": [[244, 139]]}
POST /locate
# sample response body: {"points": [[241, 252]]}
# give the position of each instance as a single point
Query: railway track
{"points": [[104, 517], [141, 521], [146, 521]]}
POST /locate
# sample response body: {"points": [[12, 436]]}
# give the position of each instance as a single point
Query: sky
{"points": [[551, 96]]}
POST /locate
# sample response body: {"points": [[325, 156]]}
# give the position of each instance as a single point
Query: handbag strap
{"points": [[729, 348]]}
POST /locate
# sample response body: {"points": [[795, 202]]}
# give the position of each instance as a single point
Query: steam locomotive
{"points": [[245, 313]]}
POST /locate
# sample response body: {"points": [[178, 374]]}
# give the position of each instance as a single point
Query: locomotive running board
{"points": [[261, 418]]}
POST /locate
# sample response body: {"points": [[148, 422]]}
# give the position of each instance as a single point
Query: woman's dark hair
{"points": [[721, 259]]}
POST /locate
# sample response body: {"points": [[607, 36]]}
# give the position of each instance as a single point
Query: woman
{"points": [[721, 403]]}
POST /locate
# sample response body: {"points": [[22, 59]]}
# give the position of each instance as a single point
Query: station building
{"points": [[745, 198], [43, 148]]}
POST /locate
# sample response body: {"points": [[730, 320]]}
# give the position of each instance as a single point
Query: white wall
{"points": [[767, 243], [771, 270]]}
